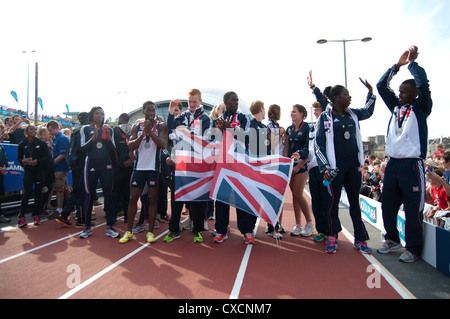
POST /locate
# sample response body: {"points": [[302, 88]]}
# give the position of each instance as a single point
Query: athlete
{"points": [[406, 145], [198, 123], [97, 141], [148, 138], [231, 118], [33, 155], [296, 143], [339, 145]]}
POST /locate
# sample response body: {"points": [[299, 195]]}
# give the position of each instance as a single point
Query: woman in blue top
{"points": [[100, 155], [338, 144], [296, 142]]}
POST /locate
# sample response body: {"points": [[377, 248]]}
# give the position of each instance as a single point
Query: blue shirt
{"points": [[61, 147]]}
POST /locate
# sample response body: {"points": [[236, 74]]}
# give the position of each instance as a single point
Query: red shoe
{"points": [[37, 220], [219, 238], [22, 222], [249, 239]]}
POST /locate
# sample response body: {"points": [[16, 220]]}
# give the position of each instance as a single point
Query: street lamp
{"points": [[122, 93], [28, 79], [323, 41]]}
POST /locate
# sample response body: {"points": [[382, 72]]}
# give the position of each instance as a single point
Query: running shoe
{"points": [[388, 246], [63, 221], [219, 238], [165, 219], [111, 232], [308, 230], [79, 225], [172, 236], [249, 239], [150, 237], [320, 237], [198, 237], [331, 245], [275, 234], [139, 228], [86, 233], [4, 219], [297, 230], [37, 220], [408, 257], [22, 222], [362, 247], [128, 235]]}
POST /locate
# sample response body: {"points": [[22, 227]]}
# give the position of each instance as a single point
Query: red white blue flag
{"points": [[257, 185], [195, 166], [223, 171]]}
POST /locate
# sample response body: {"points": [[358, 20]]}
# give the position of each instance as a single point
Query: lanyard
{"points": [[402, 119], [291, 140], [190, 123]]}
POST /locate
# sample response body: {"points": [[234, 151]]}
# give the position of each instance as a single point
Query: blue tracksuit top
{"points": [[410, 139]]}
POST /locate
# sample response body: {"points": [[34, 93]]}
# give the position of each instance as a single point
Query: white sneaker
{"points": [[309, 229], [205, 225], [275, 234], [297, 230], [111, 232]]}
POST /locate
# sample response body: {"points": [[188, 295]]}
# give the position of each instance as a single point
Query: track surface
{"points": [[50, 261]]}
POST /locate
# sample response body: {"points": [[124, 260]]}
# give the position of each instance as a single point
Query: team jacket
{"points": [[324, 139], [411, 139], [37, 150], [99, 149], [198, 123]]}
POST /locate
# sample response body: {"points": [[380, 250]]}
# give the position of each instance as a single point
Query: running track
{"points": [[46, 261]]}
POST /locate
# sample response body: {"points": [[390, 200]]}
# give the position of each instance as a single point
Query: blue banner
{"points": [[14, 94], [40, 103], [13, 178]]}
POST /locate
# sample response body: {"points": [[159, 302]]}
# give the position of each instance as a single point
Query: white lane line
{"points": [[241, 273], [109, 268], [401, 290], [45, 245]]}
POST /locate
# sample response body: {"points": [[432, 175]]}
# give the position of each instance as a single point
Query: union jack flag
{"points": [[223, 171], [257, 185], [195, 166]]}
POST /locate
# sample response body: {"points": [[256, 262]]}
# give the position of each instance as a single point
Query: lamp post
{"points": [[122, 93], [28, 79], [323, 41]]}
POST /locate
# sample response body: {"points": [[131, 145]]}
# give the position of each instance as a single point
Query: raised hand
{"points": [[367, 85], [310, 80]]}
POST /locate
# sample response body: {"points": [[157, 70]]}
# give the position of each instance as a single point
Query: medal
{"points": [[99, 145], [399, 131], [347, 135]]}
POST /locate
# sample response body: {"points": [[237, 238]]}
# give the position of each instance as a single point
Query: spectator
{"points": [[60, 151], [441, 201], [3, 165]]}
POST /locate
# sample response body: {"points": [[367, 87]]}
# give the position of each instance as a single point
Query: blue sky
{"points": [[88, 51]]}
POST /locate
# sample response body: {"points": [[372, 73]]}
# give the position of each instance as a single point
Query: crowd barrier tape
{"points": [[436, 250], [13, 178]]}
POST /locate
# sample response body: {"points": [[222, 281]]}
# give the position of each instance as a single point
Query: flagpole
{"points": [[36, 98]]}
